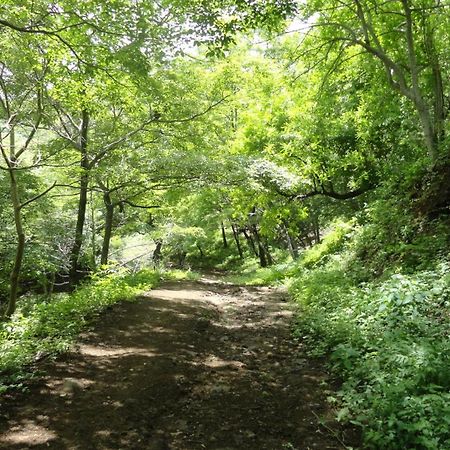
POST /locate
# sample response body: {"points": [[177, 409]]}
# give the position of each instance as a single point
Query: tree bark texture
{"points": [[224, 236], [20, 248], [74, 274], [109, 216], [236, 239]]}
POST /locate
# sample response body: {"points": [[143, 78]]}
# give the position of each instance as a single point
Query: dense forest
{"points": [[276, 142]]}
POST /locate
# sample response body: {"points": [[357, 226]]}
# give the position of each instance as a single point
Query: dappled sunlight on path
{"points": [[191, 365]]}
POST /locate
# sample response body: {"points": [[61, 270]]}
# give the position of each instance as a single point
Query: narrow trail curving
{"points": [[191, 365]]}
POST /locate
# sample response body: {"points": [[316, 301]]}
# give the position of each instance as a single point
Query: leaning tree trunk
{"points": [[82, 202], [224, 236], [250, 242], [109, 216], [236, 239], [14, 277], [289, 241], [261, 250]]}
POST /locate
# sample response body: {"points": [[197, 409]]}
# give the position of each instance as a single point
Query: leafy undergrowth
{"points": [[47, 326], [387, 337], [389, 343], [177, 274], [253, 275], [249, 272]]}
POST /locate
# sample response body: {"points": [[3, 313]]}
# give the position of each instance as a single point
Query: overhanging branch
{"points": [[36, 197], [328, 193]]}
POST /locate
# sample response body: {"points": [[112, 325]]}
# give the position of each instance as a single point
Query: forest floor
{"points": [[190, 365]]}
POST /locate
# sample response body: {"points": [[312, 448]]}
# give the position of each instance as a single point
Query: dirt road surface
{"points": [[188, 366]]}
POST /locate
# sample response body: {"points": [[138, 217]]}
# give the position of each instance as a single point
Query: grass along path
{"points": [[191, 365]]}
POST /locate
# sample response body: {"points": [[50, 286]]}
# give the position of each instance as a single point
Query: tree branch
{"points": [[328, 193], [195, 116], [38, 196], [134, 205]]}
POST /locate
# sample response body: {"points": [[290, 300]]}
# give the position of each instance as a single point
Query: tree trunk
{"points": [[157, 253], [316, 229], [398, 73], [181, 259], [290, 244], [15, 273], [302, 241], [224, 236], [440, 112], [268, 255], [250, 242], [82, 202], [261, 250], [50, 284], [93, 234], [108, 228], [236, 239], [418, 98], [262, 255]]}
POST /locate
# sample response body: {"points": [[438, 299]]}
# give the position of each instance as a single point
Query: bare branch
{"points": [[195, 116], [34, 127], [31, 200], [134, 205]]}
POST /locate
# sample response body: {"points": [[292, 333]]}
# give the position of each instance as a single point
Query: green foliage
{"points": [[251, 274], [330, 244], [47, 326], [389, 343], [178, 275], [394, 238], [387, 338], [180, 147]]}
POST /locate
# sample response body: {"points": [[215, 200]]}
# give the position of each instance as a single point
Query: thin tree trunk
{"points": [[397, 75], [439, 108], [109, 216], [224, 236], [181, 259], [262, 255], [303, 243], [50, 284], [290, 245], [316, 229], [157, 253], [261, 250], [93, 234], [250, 242], [236, 239], [268, 255], [309, 240], [82, 202], [15, 273]]}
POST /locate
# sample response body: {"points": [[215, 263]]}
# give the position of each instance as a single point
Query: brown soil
{"points": [[191, 365]]}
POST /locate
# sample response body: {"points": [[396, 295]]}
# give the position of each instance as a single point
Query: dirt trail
{"points": [[191, 365]]}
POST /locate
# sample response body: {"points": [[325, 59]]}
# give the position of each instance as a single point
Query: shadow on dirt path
{"points": [[191, 365]]}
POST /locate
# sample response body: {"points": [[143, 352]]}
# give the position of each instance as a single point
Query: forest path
{"points": [[190, 365]]}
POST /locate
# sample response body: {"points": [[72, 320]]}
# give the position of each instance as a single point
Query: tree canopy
{"points": [[226, 135]]}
